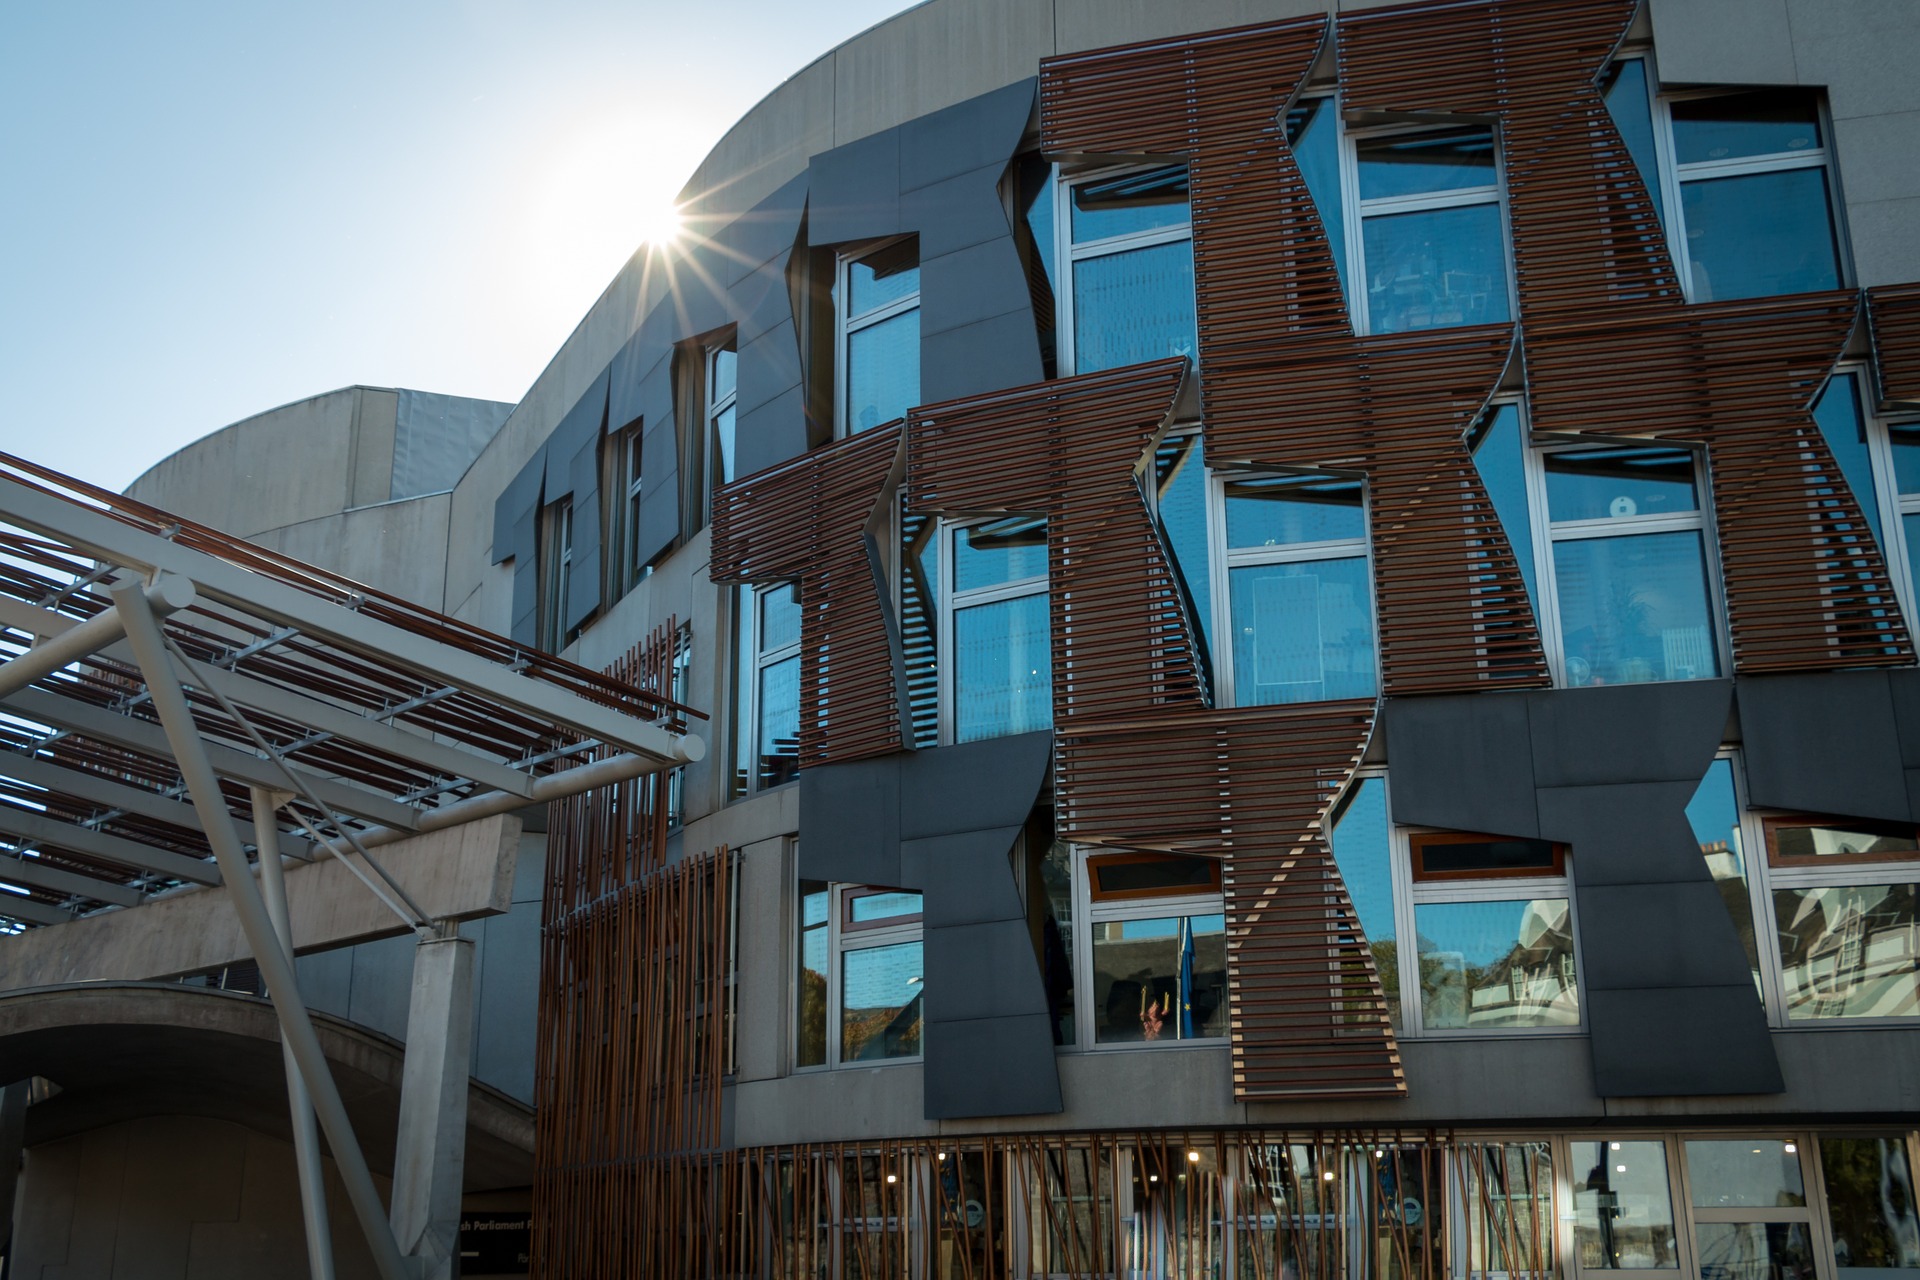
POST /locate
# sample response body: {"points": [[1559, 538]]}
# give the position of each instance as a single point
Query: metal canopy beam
{"points": [[97, 534], [143, 736], [32, 912], [79, 640], [41, 829], [38, 772], [32, 871]]}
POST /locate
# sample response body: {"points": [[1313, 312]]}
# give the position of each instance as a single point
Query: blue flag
{"points": [[1186, 979]]}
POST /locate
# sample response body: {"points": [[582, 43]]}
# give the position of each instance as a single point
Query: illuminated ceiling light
{"points": [[1614, 1145], [1153, 1177], [1327, 1176], [1619, 1168], [1790, 1148], [892, 1178], [1193, 1157]]}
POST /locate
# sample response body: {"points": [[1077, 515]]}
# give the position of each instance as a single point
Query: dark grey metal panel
{"points": [[769, 366], [993, 783], [1681, 1041], [520, 499], [761, 301], [625, 377], [577, 426], [959, 874], [853, 192], [982, 971], [854, 812], [1627, 733], [971, 285], [958, 212], [526, 578], [989, 356], [766, 231], [1903, 687], [1826, 743], [583, 587], [991, 1067], [1627, 935], [659, 463], [1462, 762], [772, 433], [982, 130], [1633, 833]]}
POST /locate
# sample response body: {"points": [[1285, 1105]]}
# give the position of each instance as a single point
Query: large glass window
{"points": [[1880, 459], [1363, 850], [1298, 605], [860, 975], [723, 368], [1753, 188], [556, 575], [766, 699], [1627, 566], [1128, 243], [1623, 1207], [620, 484], [1432, 245], [997, 678], [1157, 958], [877, 299], [1870, 1207]]}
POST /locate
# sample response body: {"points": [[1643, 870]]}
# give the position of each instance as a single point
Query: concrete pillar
{"points": [[431, 1148]]}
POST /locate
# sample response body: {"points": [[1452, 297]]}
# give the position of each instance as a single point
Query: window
{"points": [[723, 368], [1297, 607], [677, 690], [995, 628], [1624, 561], [1880, 460], [877, 301], [858, 999], [620, 491], [766, 699], [556, 575], [1157, 949], [1752, 194], [1127, 241], [1427, 229]]}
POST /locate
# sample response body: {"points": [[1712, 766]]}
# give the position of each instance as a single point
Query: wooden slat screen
{"points": [[1895, 314]]}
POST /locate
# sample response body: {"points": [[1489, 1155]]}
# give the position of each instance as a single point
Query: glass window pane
{"points": [[1625, 89], [1182, 481], [1842, 840], [1421, 163], [1482, 855], [1870, 1201], [1634, 609], [883, 371], [868, 907], [1133, 306], [1302, 632], [1603, 484], [1760, 234], [1755, 1251], [1148, 876], [1435, 268], [1843, 427], [1279, 511], [1499, 455], [779, 738], [989, 555], [1623, 1210], [1756, 1173], [1849, 951], [1714, 814], [1313, 131], [1362, 851], [1130, 203], [1203, 1011], [726, 372], [810, 1033], [1509, 1208], [1003, 669], [880, 989], [1056, 937], [1906, 457], [1910, 530], [1497, 964], [779, 618], [885, 276], [722, 447], [1160, 979], [1763, 123]]}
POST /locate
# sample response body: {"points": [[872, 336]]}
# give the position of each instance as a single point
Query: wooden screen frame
{"points": [[1096, 894], [1418, 841], [1774, 823]]}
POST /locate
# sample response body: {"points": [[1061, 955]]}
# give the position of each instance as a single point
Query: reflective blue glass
{"points": [[1435, 268], [1906, 458], [779, 618], [1281, 511], [1734, 126], [1496, 964], [880, 278], [1302, 632], [1129, 204], [870, 907], [1625, 89], [779, 736], [1133, 306], [1313, 130], [988, 555], [1634, 609], [726, 373], [1500, 457], [1714, 813], [1845, 430], [1760, 234], [883, 371], [723, 447], [1362, 851], [1003, 673], [880, 1002], [1612, 484], [1182, 481], [1910, 528], [1414, 164]]}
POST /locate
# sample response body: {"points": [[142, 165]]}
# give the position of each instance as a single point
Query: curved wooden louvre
{"points": [[809, 521], [1254, 786], [1894, 311], [1070, 450], [1805, 585], [1284, 383], [1585, 232]]}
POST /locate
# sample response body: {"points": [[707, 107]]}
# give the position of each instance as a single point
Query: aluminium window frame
{"points": [[1355, 212], [1067, 253], [621, 490], [840, 940], [751, 660], [712, 473], [554, 568], [951, 603], [1901, 559], [1699, 520], [1223, 560], [846, 324]]}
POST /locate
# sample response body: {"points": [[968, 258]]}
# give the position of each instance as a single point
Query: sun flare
{"points": [[660, 223]]}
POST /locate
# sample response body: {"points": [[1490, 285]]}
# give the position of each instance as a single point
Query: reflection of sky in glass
{"points": [[1169, 926], [1282, 511], [1435, 268], [1845, 431], [1315, 138], [1302, 632], [1182, 481], [1403, 165], [779, 618], [1730, 126], [780, 709], [1133, 306], [1906, 458], [1760, 234], [883, 906], [1603, 484], [726, 372], [883, 371], [870, 290], [1003, 674], [1500, 457], [1360, 849], [1129, 203], [1634, 609], [1626, 94], [1713, 812], [813, 903], [1484, 932], [1004, 551], [877, 977]]}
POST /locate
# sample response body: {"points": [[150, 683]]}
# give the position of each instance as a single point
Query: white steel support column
{"points": [[203, 785], [306, 1131], [431, 1148]]}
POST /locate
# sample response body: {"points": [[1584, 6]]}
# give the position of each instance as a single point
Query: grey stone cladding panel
{"points": [[1831, 743], [991, 1067]]}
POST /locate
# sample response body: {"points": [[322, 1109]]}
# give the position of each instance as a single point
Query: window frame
{"points": [[1418, 840], [952, 602], [622, 480], [1066, 252], [1354, 213], [554, 569], [711, 408], [751, 660], [1674, 176], [840, 940], [1223, 560], [1097, 894], [1699, 520], [1894, 506], [846, 324], [1088, 911]]}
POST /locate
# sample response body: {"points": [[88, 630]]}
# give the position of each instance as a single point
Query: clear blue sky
{"points": [[210, 209]]}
